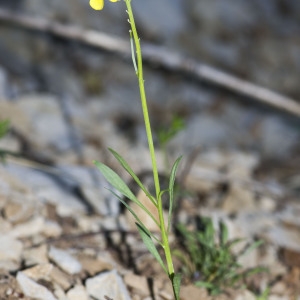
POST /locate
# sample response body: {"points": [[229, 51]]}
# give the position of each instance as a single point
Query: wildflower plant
{"points": [[114, 179], [209, 262]]}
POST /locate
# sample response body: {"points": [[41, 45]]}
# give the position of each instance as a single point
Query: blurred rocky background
{"points": [[68, 102]]}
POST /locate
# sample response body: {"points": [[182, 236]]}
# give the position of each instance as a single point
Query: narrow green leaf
{"points": [[171, 190], [150, 245], [133, 52], [223, 234], [117, 182], [126, 166], [176, 280], [255, 271], [210, 232]]}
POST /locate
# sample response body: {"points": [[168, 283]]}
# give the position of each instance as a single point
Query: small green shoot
{"points": [[208, 261], [166, 133]]}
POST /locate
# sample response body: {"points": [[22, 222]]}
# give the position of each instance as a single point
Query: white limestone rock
{"points": [[78, 292], [107, 284], [65, 260], [32, 289], [10, 248]]}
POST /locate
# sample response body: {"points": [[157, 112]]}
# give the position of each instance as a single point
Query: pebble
{"points": [[30, 228], [78, 292], [9, 265], [51, 229], [20, 208], [44, 112], [17, 118], [60, 293], [10, 248], [94, 265], [284, 237], [238, 200], [245, 295], [189, 292], [62, 279], [276, 297], [64, 260], [45, 187], [37, 272], [107, 284], [139, 283], [31, 289]]}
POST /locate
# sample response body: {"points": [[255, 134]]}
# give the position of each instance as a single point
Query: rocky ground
{"points": [[63, 235]]}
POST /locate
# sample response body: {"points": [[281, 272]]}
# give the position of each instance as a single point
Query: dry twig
{"points": [[157, 56]]}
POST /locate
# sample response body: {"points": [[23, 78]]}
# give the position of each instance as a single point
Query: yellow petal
{"points": [[113, 0], [97, 4]]}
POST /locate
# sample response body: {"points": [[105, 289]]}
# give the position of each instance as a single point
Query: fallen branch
{"points": [[157, 56]]}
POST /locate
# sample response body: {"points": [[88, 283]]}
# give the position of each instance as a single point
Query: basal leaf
{"points": [[223, 234], [125, 165], [171, 190], [150, 245]]}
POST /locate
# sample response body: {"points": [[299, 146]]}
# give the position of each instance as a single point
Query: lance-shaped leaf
{"points": [[223, 234], [171, 190], [133, 52], [126, 166], [150, 246], [117, 182]]}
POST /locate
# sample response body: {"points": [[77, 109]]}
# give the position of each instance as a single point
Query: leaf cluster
{"points": [[208, 259], [115, 180]]}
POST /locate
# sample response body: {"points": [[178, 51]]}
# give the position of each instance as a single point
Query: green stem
{"points": [[139, 73]]}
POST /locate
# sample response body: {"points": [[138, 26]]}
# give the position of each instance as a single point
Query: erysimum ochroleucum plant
{"points": [[120, 185]]}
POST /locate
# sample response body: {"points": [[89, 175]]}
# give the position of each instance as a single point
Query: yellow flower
{"points": [[98, 4]]}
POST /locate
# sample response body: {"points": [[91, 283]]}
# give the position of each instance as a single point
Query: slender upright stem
{"points": [[140, 76], [139, 73]]}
